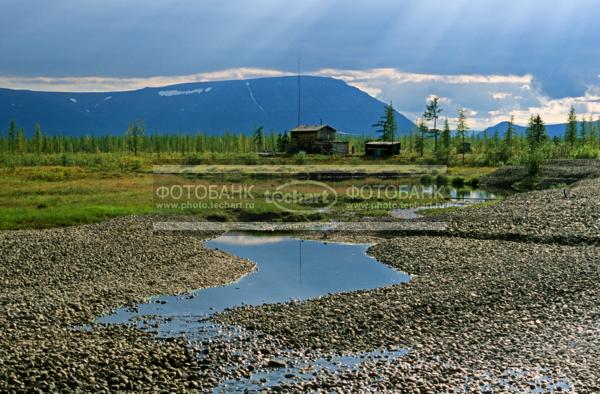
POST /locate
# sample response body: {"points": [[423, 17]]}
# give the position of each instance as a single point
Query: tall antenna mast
{"points": [[298, 91]]}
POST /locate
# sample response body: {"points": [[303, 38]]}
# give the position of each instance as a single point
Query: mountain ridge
{"points": [[211, 107], [553, 130]]}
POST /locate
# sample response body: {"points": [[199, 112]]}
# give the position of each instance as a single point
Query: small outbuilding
{"points": [[381, 148], [340, 147]]}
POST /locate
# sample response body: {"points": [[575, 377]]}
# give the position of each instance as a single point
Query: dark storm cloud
{"points": [[553, 40]]}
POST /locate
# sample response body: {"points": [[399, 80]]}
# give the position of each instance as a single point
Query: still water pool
{"points": [[287, 269]]}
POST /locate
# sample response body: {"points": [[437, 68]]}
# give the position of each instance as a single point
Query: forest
{"points": [[136, 147]]}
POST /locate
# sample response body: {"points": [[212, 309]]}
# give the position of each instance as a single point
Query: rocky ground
{"points": [[569, 215], [508, 287], [555, 172], [505, 300], [55, 280], [474, 309]]}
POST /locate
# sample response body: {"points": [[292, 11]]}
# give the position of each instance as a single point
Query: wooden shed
{"points": [[340, 147], [381, 148]]}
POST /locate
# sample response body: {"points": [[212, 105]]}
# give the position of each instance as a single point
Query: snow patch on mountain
{"points": [[169, 93], [253, 99]]}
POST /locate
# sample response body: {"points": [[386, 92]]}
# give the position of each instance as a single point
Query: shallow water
{"points": [[456, 198], [476, 195], [287, 269], [305, 370]]}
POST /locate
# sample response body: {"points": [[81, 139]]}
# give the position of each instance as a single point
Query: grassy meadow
{"points": [[53, 195]]}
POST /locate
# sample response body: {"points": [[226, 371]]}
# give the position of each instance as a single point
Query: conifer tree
{"points": [[536, 132], [507, 148], [571, 128], [12, 134], [423, 130], [37, 139], [461, 130], [509, 135], [387, 125], [258, 137], [446, 136], [21, 142], [432, 112], [134, 134]]}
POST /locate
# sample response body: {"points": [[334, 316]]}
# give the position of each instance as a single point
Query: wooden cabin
{"points": [[317, 139], [381, 148]]}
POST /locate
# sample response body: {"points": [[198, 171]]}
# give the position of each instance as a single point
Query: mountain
{"points": [[210, 107], [553, 130], [503, 126]]}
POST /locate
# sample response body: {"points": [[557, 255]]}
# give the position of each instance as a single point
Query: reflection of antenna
{"points": [[300, 259], [298, 91]]}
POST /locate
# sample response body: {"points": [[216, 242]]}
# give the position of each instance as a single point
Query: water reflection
{"points": [[287, 269]]}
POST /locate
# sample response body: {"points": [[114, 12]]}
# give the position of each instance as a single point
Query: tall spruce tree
{"points": [[432, 112], [446, 136], [12, 135], [258, 137], [134, 136], [387, 126], [461, 130], [583, 130], [21, 141], [284, 143], [510, 131], [536, 132], [37, 139], [423, 130], [509, 137], [571, 128]]}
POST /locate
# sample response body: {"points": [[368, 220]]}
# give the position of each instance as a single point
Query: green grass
{"points": [[54, 196], [22, 218], [31, 199]]}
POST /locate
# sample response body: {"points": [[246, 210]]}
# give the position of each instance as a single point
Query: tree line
{"points": [[581, 139], [137, 140]]}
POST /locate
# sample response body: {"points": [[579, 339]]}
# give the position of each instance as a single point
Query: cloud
{"points": [[470, 42], [111, 84], [501, 95], [397, 76], [488, 99]]}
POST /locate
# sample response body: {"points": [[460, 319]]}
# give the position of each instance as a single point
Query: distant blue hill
{"points": [[553, 130], [209, 107]]}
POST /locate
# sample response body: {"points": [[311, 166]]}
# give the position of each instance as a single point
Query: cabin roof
{"points": [[311, 128]]}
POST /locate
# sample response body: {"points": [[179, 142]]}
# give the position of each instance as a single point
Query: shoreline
{"points": [[61, 278], [472, 306]]}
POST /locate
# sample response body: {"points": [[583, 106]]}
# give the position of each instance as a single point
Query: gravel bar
{"points": [[569, 215], [56, 280], [473, 310]]}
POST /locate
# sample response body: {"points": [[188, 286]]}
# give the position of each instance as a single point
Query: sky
{"points": [[494, 58]]}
